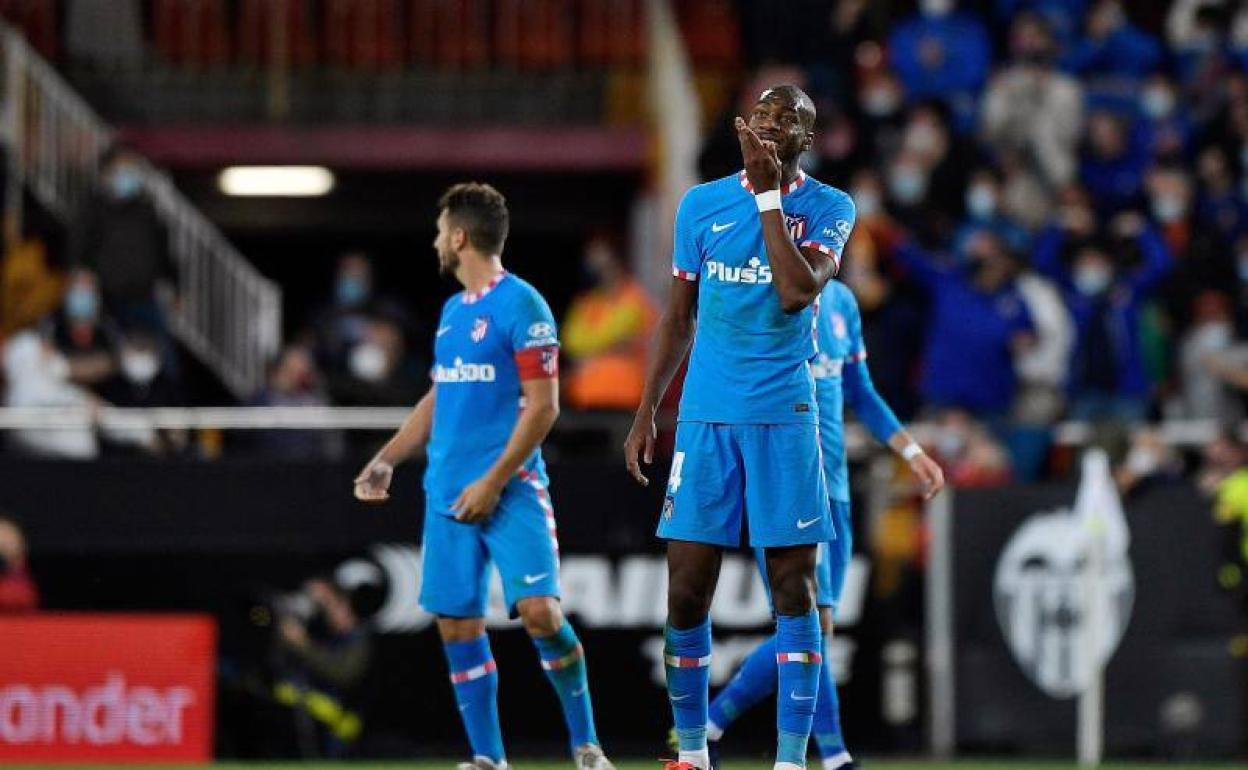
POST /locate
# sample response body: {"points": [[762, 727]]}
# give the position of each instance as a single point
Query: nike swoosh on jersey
{"points": [[442, 331], [804, 524], [718, 228], [678, 697], [531, 579], [579, 692], [795, 696]]}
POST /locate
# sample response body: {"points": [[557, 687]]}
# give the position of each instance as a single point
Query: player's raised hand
{"points": [[928, 473], [477, 501], [373, 483], [640, 443], [762, 164]]}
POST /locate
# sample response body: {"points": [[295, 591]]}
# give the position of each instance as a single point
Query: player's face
{"points": [[448, 259], [776, 119]]}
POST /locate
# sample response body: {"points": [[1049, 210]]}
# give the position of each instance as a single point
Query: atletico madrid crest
{"points": [[797, 225], [479, 328]]}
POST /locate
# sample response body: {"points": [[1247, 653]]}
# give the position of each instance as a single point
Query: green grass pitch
{"points": [[533, 764]]}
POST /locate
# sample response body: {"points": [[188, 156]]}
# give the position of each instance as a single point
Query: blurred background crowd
{"points": [[1051, 252], [1052, 207]]}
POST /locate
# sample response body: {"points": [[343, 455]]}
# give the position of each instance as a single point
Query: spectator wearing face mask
{"points": [[1032, 109], [82, 334], [1169, 191], [1113, 46], [1167, 129], [142, 379], [378, 371], [1106, 295], [120, 238], [984, 211], [942, 53], [341, 325], [976, 322]]}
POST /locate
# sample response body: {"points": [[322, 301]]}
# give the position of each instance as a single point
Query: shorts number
{"points": [[673, 481]]}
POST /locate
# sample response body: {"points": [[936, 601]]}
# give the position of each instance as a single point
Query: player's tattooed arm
{"points": [[671, 343], [373, 483], [798, 274], [541, 408]]}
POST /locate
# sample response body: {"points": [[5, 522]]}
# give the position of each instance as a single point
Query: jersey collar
{"points": [[468, 299], [784, 190]]}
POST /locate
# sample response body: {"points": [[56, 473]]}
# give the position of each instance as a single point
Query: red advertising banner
{"points": [[106, 688]]}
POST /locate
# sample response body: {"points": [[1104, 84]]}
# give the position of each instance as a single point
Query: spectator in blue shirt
{"points": [[976, 321], [1064, 16], [1167, 130], [942, 53], [984, 212], [1218, 207], [1114, 161], [1113, 45], [1106, 283]]}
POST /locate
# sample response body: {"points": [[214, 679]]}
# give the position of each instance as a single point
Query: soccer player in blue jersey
{"points": [[751, 253], [495, 395], [841, 379]]}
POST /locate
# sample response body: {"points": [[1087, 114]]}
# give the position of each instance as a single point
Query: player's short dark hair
{"points": [[481, 210]]}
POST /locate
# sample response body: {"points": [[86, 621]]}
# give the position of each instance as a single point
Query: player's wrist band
{"points": [[768, 201], [911, 451]]}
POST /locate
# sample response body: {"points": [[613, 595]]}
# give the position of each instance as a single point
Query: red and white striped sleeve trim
{"points": [[823, 249], [684, 275]]}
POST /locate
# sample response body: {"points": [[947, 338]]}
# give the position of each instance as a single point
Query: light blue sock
{"points": [[755, 680], [687, 655], [564, 662], [827, 723], [475, 679], [799, 657]]}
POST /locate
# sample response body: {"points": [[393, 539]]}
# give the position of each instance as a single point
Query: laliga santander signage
{"points": [[106, 688]]}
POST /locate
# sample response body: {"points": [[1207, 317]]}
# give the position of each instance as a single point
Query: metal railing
{"points": [[228, 314], [1183, 434]]}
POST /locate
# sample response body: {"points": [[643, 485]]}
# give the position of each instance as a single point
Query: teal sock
{"points": [[799, 657], [564, 662], [687, 656], [475, 680]]}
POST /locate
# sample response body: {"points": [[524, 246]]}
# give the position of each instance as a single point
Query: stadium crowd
{"points": [[1052, 204]]}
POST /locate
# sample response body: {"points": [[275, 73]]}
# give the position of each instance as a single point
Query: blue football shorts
{"points": [[519, 538], [768, 477]]}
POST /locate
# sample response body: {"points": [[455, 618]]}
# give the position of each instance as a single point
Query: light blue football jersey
{"points": [[477, 376], [839, 331], [750, 359]]}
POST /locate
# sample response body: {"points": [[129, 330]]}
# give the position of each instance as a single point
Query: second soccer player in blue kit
{"points": [[495, 395], [751, 253]]}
